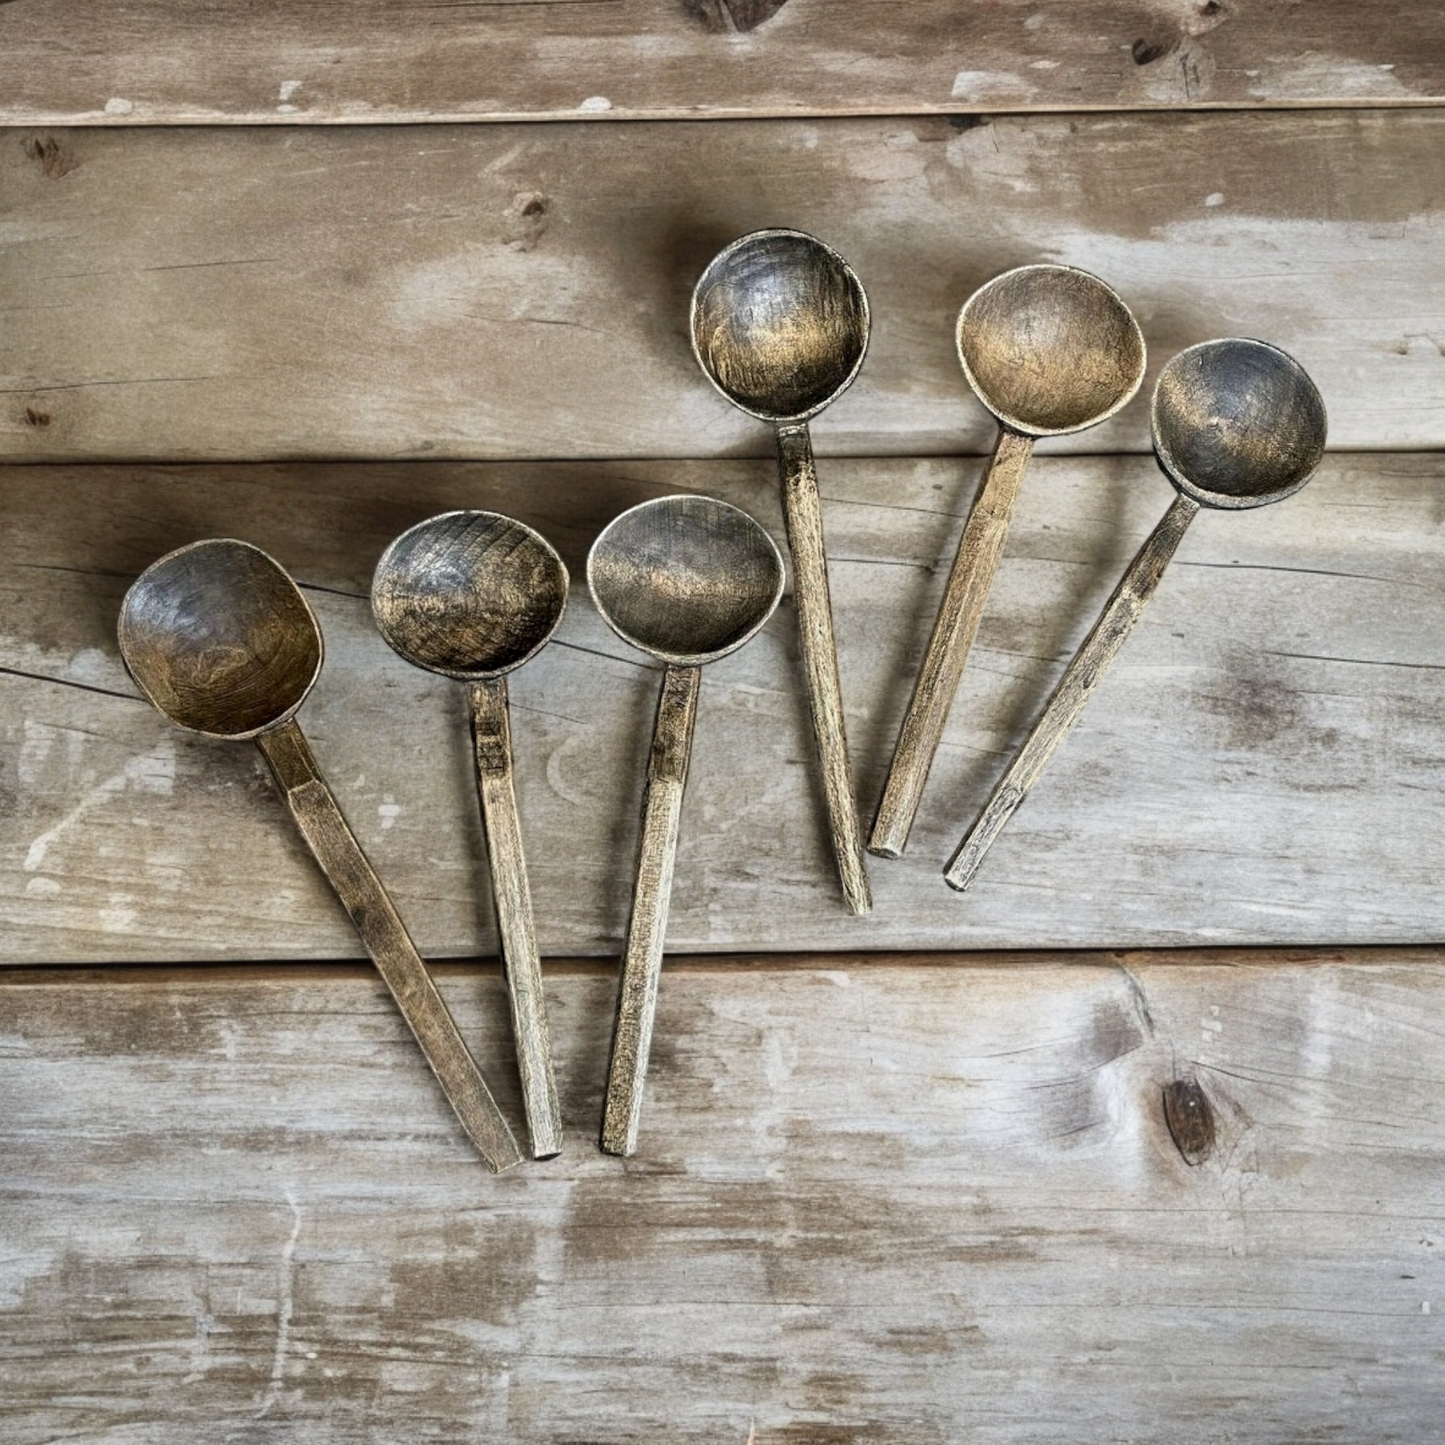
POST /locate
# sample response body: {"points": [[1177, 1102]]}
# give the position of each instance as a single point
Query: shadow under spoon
{"points": [[474, 595], [687, 579], [1237, 424], [779, 323], [1049, 350], [219, 638]]}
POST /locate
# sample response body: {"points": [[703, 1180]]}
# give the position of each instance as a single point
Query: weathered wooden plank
{"points": [[1263, 764], [521, 291], [917, 1205], [100, 62]]}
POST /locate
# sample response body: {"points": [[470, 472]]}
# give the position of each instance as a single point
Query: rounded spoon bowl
{"points": [[1237, 423], [779, 323], [471, 595], [688, 579], [220, 639], [1050, 349]]}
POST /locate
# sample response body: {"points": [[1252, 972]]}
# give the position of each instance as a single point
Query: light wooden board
{"points": [[106, 62], [1265, 763], [522, 291], [916, 1204]]}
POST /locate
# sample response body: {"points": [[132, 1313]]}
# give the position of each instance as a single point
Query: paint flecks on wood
{"points": [[189, 61]]}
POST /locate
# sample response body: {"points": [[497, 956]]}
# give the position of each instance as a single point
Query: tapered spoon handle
{"points": [[492, 747], [1080, 679], [341, 859], [642, 962], [979, 550], [803, 515]]}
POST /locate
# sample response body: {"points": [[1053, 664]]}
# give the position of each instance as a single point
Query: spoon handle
{"points": [[492, 745], [1080, 679], [341, 859], [642, 962], [803, 516], [958, 616]]}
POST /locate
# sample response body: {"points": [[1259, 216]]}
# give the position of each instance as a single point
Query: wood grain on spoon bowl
{"points": [[780, 323], [688, 579], [220, 639], [471, 595], [1237, 423], [1050, 349]]}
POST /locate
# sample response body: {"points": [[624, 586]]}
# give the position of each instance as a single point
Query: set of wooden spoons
{"points": [[223, 642], [780, 324]]}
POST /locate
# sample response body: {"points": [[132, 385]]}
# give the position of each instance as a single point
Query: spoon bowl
{"points": [[779, 323], [1237, 423], [688, 579], [1050, 349], [220, 639], [471, 595]]}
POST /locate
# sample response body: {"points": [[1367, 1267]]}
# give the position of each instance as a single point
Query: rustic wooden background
{"points": [[309, 273]]}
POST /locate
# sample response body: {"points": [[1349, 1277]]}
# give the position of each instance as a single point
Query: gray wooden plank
{"points": [[521, 291], [124, 62], [910, 1204], [1263, 764]]}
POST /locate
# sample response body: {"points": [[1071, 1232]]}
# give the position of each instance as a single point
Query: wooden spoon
{"points": [[780, 323], [1049, 350], [687, 579], [220, 639], [474, 595]]}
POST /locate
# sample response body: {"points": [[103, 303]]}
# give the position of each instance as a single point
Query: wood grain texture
{"points": [[907, 1206], [127, 62], [1263, 763], [522, 291]]}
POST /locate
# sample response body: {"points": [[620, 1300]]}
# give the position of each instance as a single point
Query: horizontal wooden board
{"points": [[915, 1205], [1265, 763], [126, 62], [522, 291]]}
